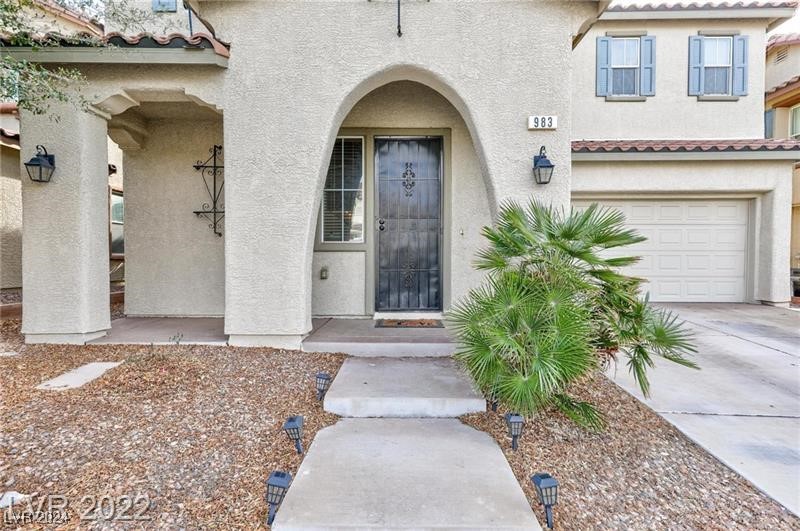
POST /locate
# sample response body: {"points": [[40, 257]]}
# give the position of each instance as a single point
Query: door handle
{"points": [[381, 224]]}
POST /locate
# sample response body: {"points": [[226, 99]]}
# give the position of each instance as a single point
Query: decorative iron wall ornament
{"points": [[213, 177], [409, 179]]}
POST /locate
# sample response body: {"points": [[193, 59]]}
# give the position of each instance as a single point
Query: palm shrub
{"points": [[555, 307]]}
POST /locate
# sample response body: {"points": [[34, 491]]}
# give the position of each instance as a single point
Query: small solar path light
{"points": [[547, 488], [323, 384], [277, 485], [515, 423], [294, 429]]}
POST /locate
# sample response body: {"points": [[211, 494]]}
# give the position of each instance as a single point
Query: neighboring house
{"points": [[45, 17], [10, 199], [782, 120], [363, 154], [670, 131]]}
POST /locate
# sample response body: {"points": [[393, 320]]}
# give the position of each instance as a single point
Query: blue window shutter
{"points": [[696, 64], [740, 65], [603, 66], [769, 124], [647, 75]]}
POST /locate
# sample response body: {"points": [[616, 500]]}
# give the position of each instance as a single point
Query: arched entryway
{"points": [[402, 204]]}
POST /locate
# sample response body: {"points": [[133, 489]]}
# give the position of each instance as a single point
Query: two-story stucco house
{"points": [[363, 146], [783, 121]]}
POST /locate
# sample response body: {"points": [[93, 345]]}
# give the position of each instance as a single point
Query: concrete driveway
{"points": [[743, 406]]}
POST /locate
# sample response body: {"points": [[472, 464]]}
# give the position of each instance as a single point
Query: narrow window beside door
{"points": [[343, 195]]}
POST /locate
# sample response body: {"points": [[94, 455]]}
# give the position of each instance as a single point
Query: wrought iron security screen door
{"points": [[408, 176]]}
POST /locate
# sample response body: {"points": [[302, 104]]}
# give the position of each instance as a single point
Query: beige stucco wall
{"points": [[317, 60], [767, 183], [344, 292], [10, 219], [671, 113], [411, 106], [65, 229], [795, 249], [174, 263], [779, 73]]}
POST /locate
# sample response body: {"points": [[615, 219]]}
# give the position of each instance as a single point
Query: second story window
{"points": [[718, 53], [794, 123], [626, 66], [718, 65], [165, 6]]}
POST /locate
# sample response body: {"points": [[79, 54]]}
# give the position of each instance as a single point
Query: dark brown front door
{"points": [[408, 176]]}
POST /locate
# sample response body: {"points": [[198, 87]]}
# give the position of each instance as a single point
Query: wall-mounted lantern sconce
{"points": [[542, 167], [323, 273], [41, 167]]}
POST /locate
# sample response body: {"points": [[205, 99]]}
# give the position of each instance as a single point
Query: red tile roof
{"points": [[173, 40], [8, 108], [682, 146], [785, 84], [786, 39], [9, 137], [142, 40], [695, 6]]}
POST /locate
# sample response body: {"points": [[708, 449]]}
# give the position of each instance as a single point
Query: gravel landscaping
{"points": [[197, 430], [641, 473]]}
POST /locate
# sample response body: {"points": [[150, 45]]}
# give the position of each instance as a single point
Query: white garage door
{"points": [[695, 249]]}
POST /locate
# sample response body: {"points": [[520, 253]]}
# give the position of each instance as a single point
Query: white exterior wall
{"points": [[10, 219], [174, 263], [671, 113], [408, 106], [301, 66], [767, 183]]}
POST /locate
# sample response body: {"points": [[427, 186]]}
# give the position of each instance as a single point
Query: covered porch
{"points": [[356, 337]]}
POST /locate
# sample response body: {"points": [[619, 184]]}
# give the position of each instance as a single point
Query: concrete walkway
{"points": [[404, 474], [743, 406]]}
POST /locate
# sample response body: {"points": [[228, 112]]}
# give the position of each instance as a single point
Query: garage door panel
{"points": [[695, 249]]}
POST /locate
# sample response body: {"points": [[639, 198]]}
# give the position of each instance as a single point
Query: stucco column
{"points": [[773, 283], [65, 254]]}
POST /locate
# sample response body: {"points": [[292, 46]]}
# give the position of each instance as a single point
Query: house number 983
{"points": [[542, 122]]}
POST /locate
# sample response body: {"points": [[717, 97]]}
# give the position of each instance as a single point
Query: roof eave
{"points": [[677, 156], [112, 55], [774, 15]]}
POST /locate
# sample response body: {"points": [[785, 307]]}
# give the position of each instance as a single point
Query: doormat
{"points": [[409, 323]]}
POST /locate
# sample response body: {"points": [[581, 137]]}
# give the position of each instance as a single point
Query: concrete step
{"points": [[360, 337], [404, 474], [402, 387]]}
